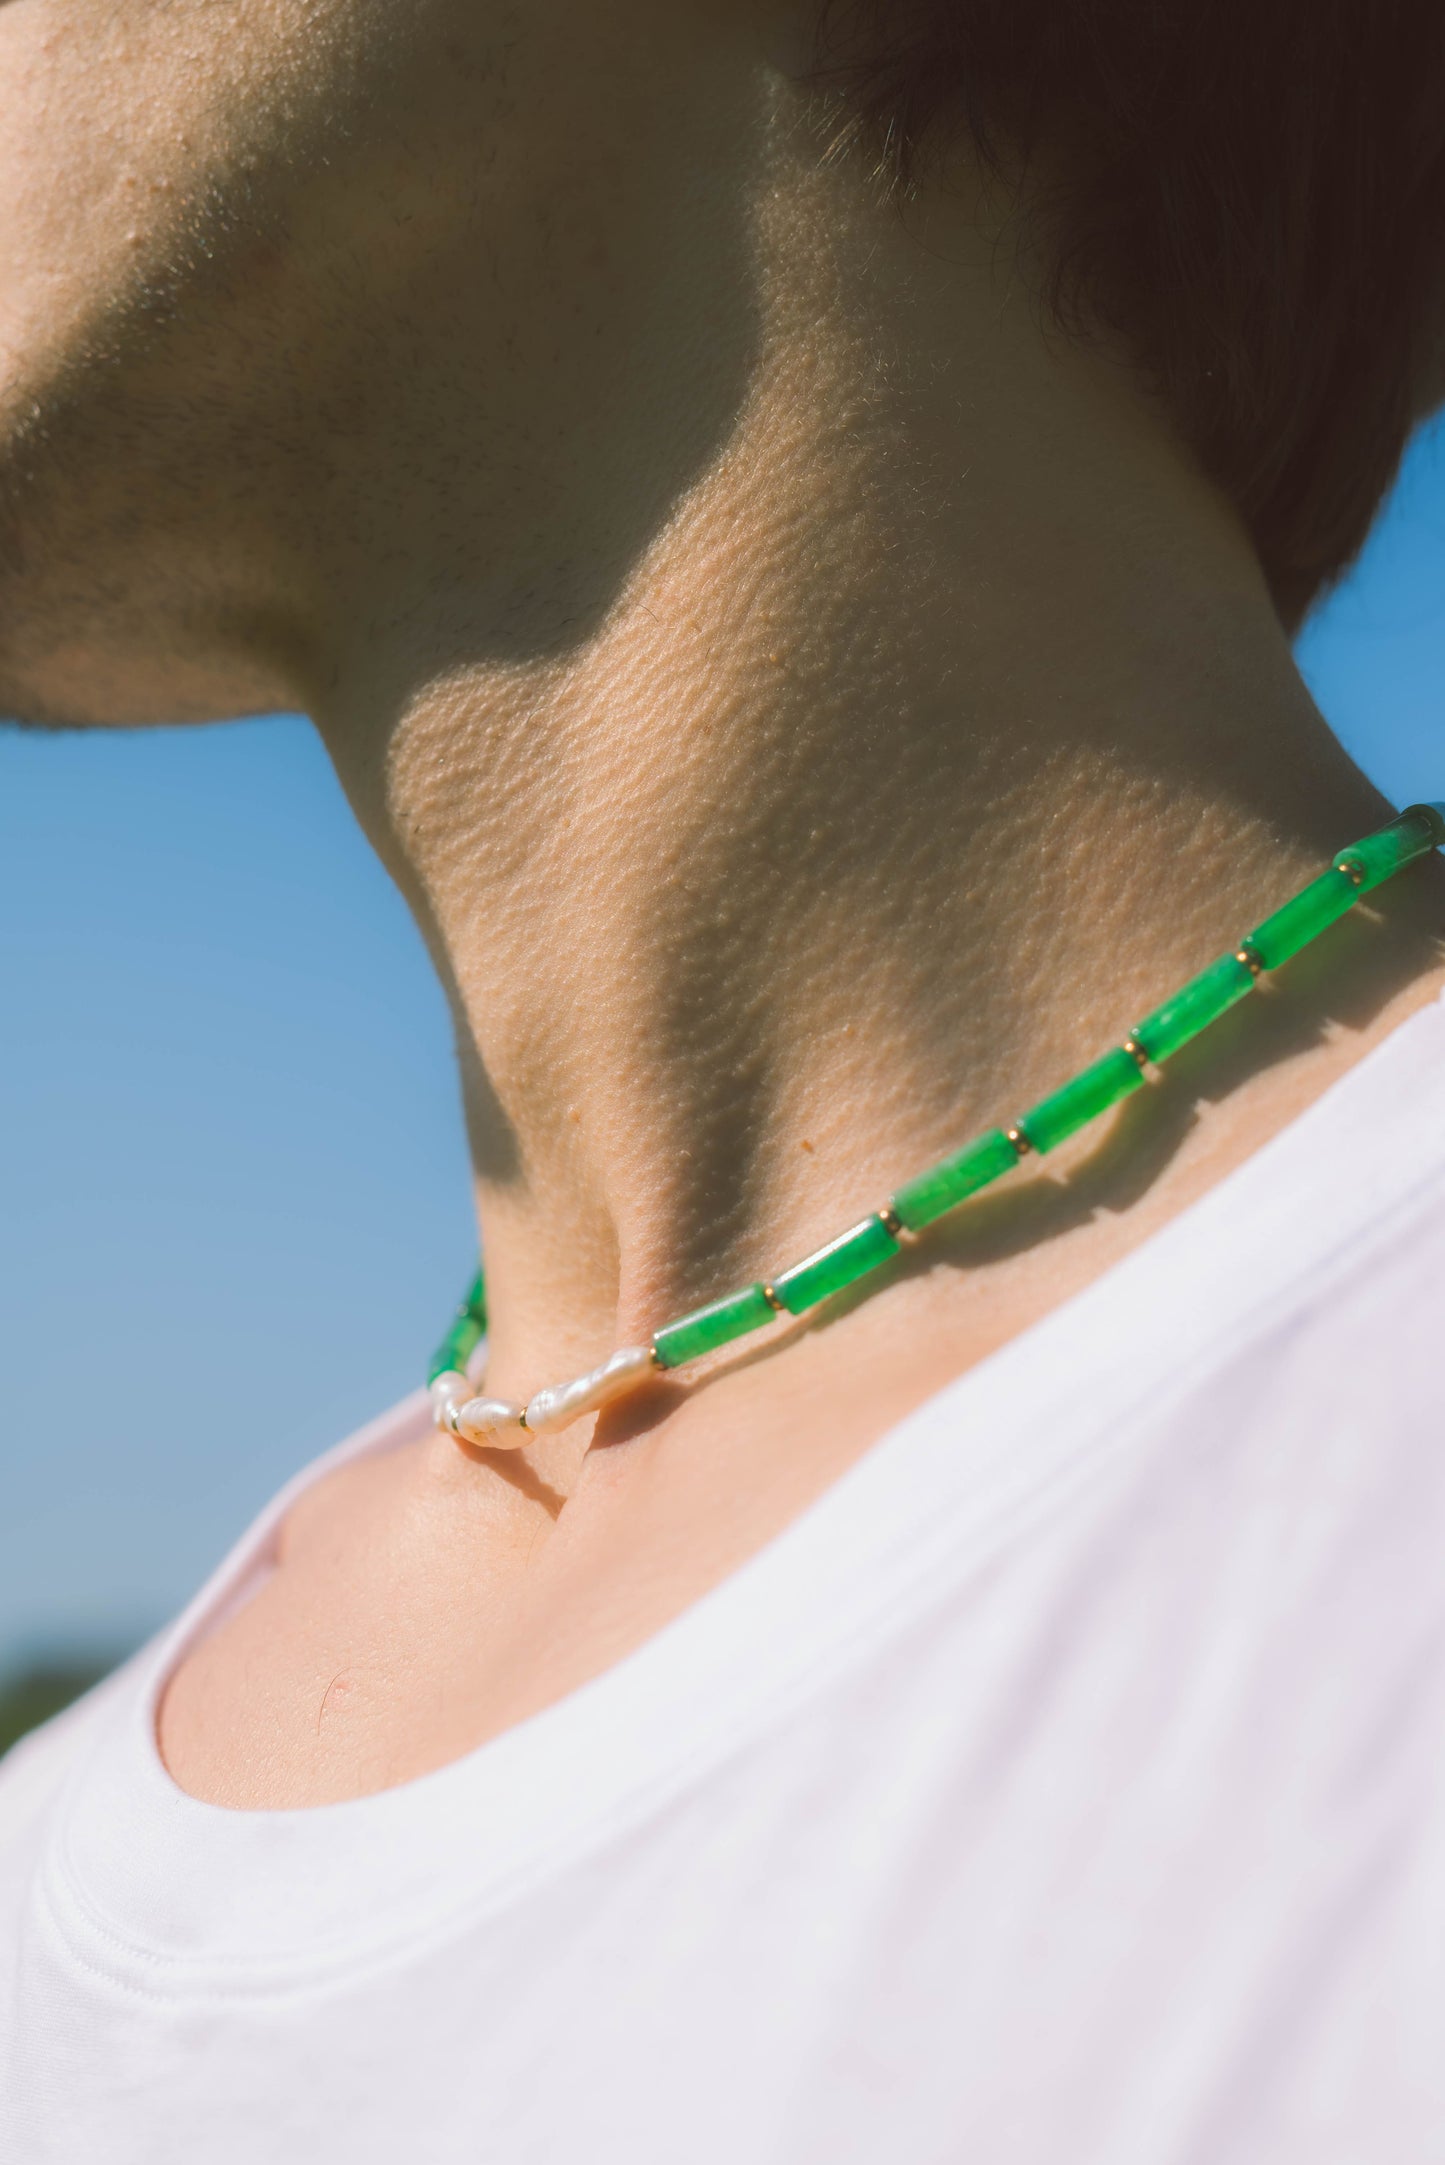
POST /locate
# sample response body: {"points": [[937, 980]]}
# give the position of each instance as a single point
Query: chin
{"points": [[136, 581]]}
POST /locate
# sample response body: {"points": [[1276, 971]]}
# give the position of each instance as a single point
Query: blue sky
{"points": [[234, 1206]]}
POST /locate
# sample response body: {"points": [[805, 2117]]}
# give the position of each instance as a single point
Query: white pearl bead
{"points": [[562, 1403], [448, 1389], [477, 1365], [494, 1422]]}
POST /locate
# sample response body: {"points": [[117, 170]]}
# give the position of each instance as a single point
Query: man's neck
{"points": [[813, 710], [942, 726]]}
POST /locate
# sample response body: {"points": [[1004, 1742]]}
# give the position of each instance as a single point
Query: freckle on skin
{"points": [[806, 1145]]}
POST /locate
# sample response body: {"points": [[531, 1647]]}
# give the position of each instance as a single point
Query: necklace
{"points": [[456, 1385]]}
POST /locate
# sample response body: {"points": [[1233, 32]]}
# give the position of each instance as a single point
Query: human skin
{"points": [[812, 705]]}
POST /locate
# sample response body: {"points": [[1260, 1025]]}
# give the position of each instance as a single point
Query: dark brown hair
{"points": [[1251, 192]]}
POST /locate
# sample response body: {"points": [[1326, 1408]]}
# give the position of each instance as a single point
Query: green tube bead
{"points": [[861, 1249], [475, 1303], [698, 1333], [457, 1348], [1091, 1092], [1303, 918], [1193, 1007], [1414, 834], [919, 1201]]}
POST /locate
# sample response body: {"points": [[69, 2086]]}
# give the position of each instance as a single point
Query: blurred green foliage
{"points": [[33, 1694]]}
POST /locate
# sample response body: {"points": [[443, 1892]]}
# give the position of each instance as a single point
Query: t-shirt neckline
{"points": [[185, 1897]]}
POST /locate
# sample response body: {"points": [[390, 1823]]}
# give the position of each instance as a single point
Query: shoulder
{"points": [[351, 1480]]}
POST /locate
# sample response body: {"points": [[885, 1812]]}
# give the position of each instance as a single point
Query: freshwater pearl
{"points": [[448, 1389], [495, 1422], [562, 1403]]}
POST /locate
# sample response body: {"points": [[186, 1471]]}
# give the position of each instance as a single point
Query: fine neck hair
{"points": [[906, 717]]}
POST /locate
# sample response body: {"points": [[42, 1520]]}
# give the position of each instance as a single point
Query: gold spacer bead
{"points": [[1020, 1141], [1353, 870], [1136, 1053], [772, 1300], [890, 1221], [1250, 957]]}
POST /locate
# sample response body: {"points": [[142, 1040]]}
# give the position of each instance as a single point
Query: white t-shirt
{"points": [[1063, 1788]]}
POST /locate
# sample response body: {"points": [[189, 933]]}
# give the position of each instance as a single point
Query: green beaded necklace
{"points": [[501, 1424]]}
